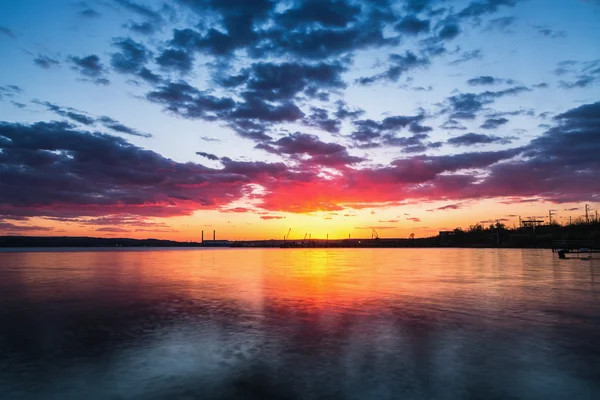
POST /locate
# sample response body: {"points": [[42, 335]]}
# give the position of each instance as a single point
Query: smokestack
{"points": [[214, 235], [202, 236]]}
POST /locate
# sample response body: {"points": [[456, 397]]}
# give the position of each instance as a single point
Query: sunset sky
{"points": [[123, 118]]}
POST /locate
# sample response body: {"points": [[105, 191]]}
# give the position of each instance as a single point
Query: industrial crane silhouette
{"points": [[287, 236], [374, 234]]}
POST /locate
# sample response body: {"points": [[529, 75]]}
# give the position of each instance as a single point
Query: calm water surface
{"points": [[299, 324]]}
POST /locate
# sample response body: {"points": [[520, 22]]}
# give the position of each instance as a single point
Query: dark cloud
{"points": [[489, 80], [276, 82], [560, 165], [470, 139], [51, 169], [89, 13], [368, 130], [321, 153], [412, 25], [319, 118], [131, 58], [187, 101], [482, 7], [449, 31], [453, 124], [10, 91], [18, 105], [267, 217], [399, 64], [500, 24], [120, 128], [549, 33], [308, 29], [209, 139], [152, 21], [45, 62], [468, 56], [417, 5], [493, 123], [176, 60], [326, 13], [84, 119], [91, 67], [209, 156], [113, 230], [345, 112], [15, 228], [581, 74], [413, 219], [70, 113], [7, 32], [467, 105]]}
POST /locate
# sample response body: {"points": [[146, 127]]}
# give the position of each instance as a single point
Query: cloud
{"points": [[489, 80], [467, 56], [268, 217], [448, 207], [90, 67], [209, 156], [449, 31], [152, 21], [52, 169], [399, 64], [482, 7], [467, 105], [7, 32], [45, 62], [412, 25], [70, 113], [500, 24], [470, 139], [120, 128], [559, 165], [549, 33], [89, 13], [581, 74], [85, 119], [176, 60], [494, 123], [10, 91], [319, 118], [18, 105], [113, 230], [131, 58], [320, 153], [368, 130], [17, 228], [413, 219], [453, 124]]}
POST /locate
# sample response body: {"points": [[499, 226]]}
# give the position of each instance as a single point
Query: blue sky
{"points": [[421, 83]]}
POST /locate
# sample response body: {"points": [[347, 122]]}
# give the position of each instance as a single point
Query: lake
{"points": [[298, 324]]}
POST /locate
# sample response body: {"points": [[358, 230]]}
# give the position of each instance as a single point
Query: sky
{"points": [[123, 118]]}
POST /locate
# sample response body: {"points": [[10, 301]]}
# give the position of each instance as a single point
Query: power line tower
{"points": [[587, 218]]}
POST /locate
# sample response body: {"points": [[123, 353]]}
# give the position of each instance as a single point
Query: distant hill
{"points": [[66, 241]]}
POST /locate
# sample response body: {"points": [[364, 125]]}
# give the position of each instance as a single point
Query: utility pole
{"points": [[520, 222], [570, 222], [587, 218]]}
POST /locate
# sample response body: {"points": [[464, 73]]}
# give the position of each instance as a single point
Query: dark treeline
{"points": [[532, 235]]}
